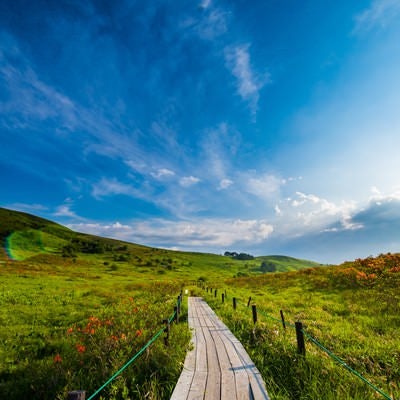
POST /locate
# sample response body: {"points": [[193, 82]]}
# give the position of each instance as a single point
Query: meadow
{"points": [[75, 308]]}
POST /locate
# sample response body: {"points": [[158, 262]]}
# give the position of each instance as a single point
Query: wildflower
{"points": [[70, 330], [139, 333], [57, 359], [123, 336], [80, 348]]}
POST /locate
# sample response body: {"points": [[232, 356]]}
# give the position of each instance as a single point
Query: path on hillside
{"points": [[218, 366]]}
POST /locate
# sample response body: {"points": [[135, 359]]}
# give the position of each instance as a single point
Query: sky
{"points": [[264, 127]]}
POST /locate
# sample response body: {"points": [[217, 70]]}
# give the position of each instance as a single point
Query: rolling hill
{"points": [[29, 237]]}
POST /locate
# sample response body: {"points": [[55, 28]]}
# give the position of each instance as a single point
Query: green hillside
{"points": [[286, 264], [28, 237]]}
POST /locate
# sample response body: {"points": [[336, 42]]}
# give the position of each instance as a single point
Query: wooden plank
{"points": [[228, 387], [218, 367], [213, 385], [198, 386]]}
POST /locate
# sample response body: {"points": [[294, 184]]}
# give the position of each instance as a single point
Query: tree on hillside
{"points": [[238, 256], [267, 266]]}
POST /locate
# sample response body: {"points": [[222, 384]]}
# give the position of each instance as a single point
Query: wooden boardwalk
{"points": [[218, 366]]}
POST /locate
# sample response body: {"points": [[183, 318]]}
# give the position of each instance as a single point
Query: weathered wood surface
{"points": [[217, 366]]}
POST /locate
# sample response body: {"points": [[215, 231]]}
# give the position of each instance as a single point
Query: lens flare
{"points": [[21, 245]]}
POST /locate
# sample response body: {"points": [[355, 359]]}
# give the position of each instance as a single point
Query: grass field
{"points": [[75, 308], [353, 310]]}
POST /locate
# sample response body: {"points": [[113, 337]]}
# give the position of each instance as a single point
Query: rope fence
{"points": [[301, 331]]}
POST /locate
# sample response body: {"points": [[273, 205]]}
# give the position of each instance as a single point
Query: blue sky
{"points": [[206, 125]]}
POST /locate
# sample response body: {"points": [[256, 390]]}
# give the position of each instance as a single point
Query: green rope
{"points": [[270, 317], [340, 361], [150, 342]]}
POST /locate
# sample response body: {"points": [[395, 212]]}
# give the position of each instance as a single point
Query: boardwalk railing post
{"points": [[223, 297], [301, 348], [166, 330], [77, 395], [179, 304], [248, 303], [176, 314], [254, 310], [225, 294], [283, 320], [215, 293], [234, 303]]}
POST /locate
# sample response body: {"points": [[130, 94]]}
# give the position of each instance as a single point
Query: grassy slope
{"points": [[29, 237], [286, 264]]}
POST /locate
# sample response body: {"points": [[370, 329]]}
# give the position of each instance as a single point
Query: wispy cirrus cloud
{"points": [[225, 183], [210, 24], [109, 187], [27, 207], [162, 173], [264, 186], [188, 181], [29, 99], [248, 81], [380, 13]]}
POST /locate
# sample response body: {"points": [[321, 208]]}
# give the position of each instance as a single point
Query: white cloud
{"points": [[188, 181], [224, 184], [107, 187], [212, 25], [249, 83], [64, 211], [194, 234], [379, 197], [205, 3], [264, 186], [115, 230], [278, 211], [30, 99], [27, 207], [304, 213], [380, 14], [162, 173]]}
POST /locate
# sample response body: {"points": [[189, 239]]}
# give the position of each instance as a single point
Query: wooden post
{"points": [[223, 297], [283, 320], [166, 330], [301, 348], [176, 314], [248, 303], [225, 294], [77, 395], [234, 303], [215, 293], [179, 304], [254, 310]]}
